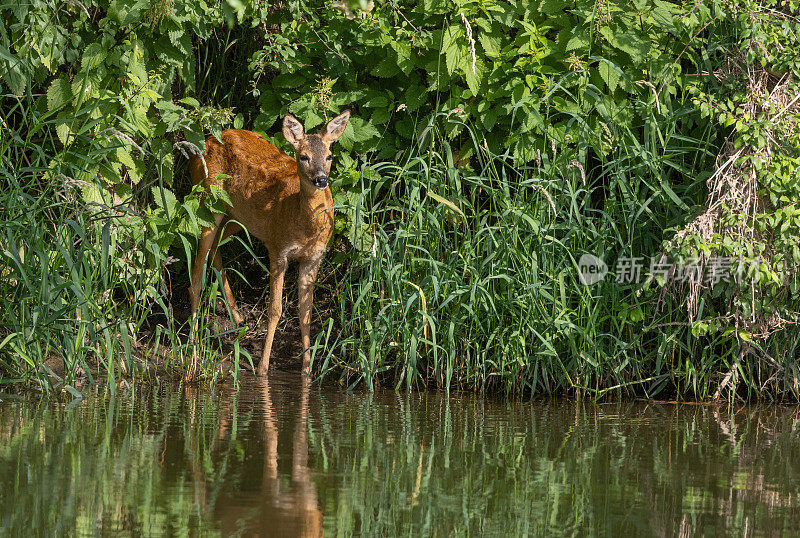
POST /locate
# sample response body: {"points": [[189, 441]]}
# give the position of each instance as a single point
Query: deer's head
{"points": [[313, 152]]}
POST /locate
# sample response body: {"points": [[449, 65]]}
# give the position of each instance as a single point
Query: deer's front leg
{"points": [[277, 269], [305, 288]]}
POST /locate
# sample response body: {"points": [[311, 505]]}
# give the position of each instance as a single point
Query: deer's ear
{"points": [[335, 127], [292, 130]]}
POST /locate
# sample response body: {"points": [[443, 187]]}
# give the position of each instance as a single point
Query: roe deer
{"points": [[285, 204]]}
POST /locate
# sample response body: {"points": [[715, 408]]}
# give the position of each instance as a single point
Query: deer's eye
{"points": [[304, 158], [329, 157]]}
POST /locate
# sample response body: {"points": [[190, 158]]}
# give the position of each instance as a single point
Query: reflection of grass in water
{"points": [[544, 470], [395, 465], [97, 466]]}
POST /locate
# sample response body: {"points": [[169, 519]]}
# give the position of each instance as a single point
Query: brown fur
{"points": [[282, 202]]}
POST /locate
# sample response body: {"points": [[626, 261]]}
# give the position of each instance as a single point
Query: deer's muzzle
{"points": [[321, 182]]}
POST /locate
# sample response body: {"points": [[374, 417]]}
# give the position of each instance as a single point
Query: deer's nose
{"points": [[321, 181]]}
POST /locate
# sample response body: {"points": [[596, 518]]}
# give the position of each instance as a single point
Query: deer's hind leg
{"points": [[208, 237], [209, 241], [228, 229]]}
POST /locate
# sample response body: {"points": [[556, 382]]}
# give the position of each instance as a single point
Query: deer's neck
{"points": [[315, 207]]}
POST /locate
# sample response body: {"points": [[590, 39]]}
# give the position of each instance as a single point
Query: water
{"points": [[281, 459]]}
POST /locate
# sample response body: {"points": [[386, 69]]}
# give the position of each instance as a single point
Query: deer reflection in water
{"points": [[275, 505]]}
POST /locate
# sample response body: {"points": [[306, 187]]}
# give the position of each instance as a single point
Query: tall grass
{"points": [[82, 268], [468, 278], [473, 279]]}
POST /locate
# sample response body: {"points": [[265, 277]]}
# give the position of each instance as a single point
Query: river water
{"points": [[280, 458]]}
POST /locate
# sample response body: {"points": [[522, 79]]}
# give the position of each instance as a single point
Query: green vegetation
{"points": [[492, 145]]}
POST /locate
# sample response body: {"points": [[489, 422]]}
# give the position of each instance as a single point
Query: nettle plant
{"points": [[522, 75], [526, 78]]}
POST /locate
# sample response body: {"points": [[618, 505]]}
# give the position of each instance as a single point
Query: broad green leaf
{"points": [[664, 14], [205, 217], [270, 107], [629, 42], [609, 75], [552, 8], [435, 6], [386, 68], [126, 12], [451, 46], [92, 57], [62, 131], [474, 78], [362, 130], [190, 101], [489, 118], [124, 157], [380, 116], [219, 192], [92, 194], [578, 40], [404, 58], [414, 97], [58, 94], [162, 196], [490, 43]]}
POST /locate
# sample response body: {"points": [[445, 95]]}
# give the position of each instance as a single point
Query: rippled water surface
{"points": [[283, 459]]}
